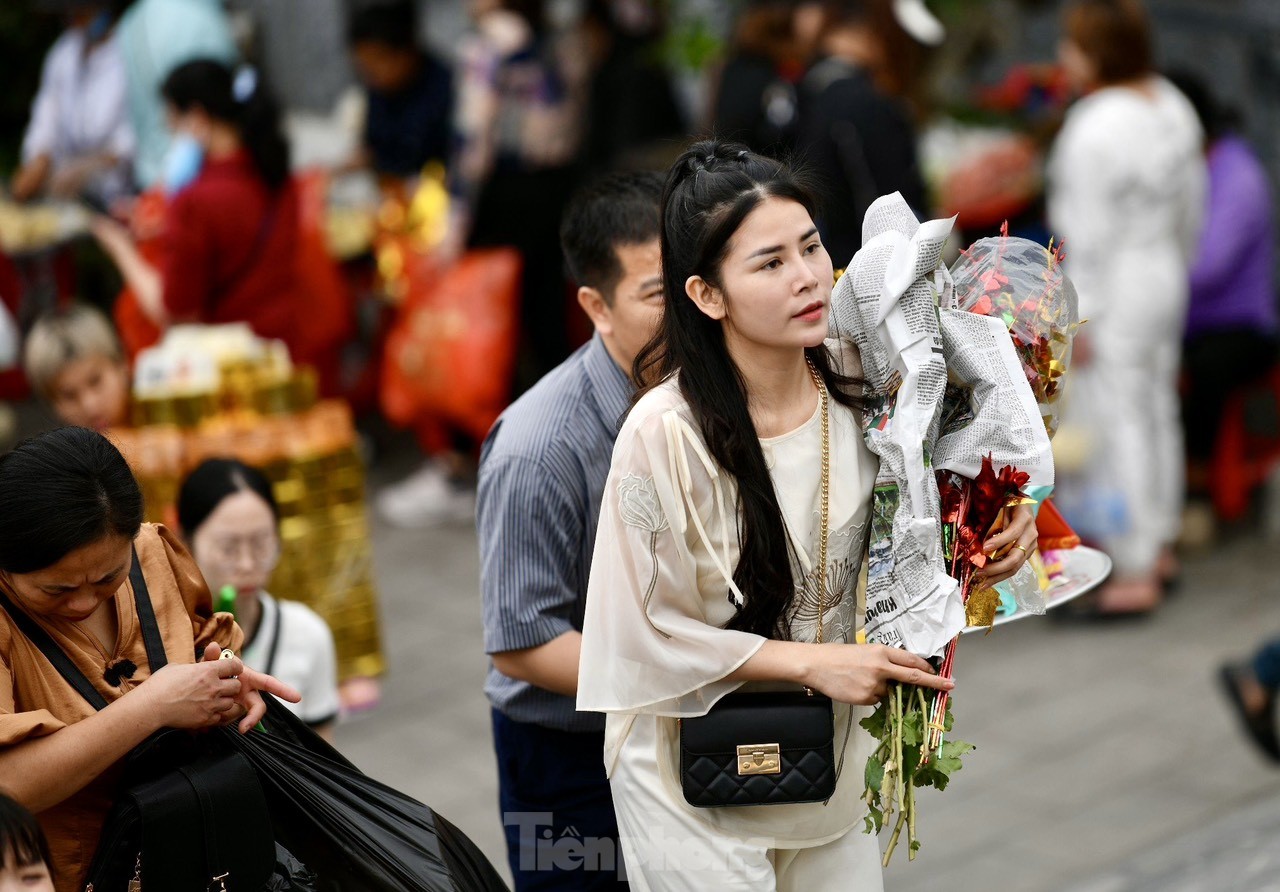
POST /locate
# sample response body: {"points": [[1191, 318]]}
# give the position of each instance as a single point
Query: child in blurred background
{"points": [[25, 865], [73, 360]]}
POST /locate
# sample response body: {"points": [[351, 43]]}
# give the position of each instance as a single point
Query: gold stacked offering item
{"points": [[220, 392]]}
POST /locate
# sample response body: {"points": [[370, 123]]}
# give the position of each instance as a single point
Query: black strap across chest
{"points": [[63, 664]]}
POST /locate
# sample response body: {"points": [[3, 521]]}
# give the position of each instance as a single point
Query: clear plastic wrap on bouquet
{"points": [[1021, 283]]}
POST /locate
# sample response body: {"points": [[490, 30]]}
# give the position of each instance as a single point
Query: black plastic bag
{"points": [[290, 875], [352, 831]]}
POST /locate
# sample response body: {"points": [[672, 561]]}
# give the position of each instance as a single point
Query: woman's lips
{"points": [[811, 313]]}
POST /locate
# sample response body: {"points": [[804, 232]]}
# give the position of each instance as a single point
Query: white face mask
{"points": [[182, 163]]}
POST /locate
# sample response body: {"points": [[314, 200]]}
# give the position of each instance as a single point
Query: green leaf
{"points": [[874, 774], [913, 725], [877, 724], [874, 820], [930, 776], [910, 759]]}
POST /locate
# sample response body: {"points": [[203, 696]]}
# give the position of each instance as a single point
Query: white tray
{"points": [[1083, 569]]}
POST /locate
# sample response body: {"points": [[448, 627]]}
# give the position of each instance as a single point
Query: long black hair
{"points": [[709, 192], [211, 482], [238, 98], [61, 491], [21, 837]]}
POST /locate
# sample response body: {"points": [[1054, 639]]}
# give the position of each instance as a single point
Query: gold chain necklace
{"points": [[825, 488]]}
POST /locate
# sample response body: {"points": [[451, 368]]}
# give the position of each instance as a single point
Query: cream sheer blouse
{"points": [[661, 587]]}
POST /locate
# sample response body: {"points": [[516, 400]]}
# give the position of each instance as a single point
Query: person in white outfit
{"points": [[79, 140], [1127, 188], [230, 518], [707, 574]]}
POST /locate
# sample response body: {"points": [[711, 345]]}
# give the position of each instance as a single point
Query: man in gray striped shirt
{"points": [[542, 474]]}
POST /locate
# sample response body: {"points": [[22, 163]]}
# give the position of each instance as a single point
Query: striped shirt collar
{"points": [[613, 389]]}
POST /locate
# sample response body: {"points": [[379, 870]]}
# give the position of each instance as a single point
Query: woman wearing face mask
{"points": [[79, 567], [708, 570], [79, 140], [232, 226], [229, 518]]}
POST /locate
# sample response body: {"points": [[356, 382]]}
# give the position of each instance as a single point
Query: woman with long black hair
{"points": [[732, 537], [232, 224]]}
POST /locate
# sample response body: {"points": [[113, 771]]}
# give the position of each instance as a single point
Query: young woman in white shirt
{"points": [[229, 517], [1127, 190], [705, 573]]}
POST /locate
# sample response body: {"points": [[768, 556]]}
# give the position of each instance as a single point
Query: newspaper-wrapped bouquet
{"points": [[951, 401]]}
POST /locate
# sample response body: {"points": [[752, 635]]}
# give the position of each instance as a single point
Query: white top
{"points": [[1127, 187], [81, 107], [661, 585], [295, 645]]}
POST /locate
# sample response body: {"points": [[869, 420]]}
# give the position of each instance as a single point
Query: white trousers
{"points": [[1126, 401], [666, 848]]}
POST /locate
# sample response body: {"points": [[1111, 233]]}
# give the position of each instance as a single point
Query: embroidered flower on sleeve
{"points": [[639, 506]]}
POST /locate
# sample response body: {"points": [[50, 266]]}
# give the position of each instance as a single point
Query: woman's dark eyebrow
{"points": [[773, 249], [112, 575]]}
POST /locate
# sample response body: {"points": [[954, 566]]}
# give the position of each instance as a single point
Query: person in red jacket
{"points": [[232, 223]]}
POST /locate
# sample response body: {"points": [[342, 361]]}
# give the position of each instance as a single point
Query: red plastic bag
{"points": [[450, 354]]}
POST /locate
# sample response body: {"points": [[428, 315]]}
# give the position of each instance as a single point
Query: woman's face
{"points": [[238, 545], [1081, 73], [193, 122], [24, 878], [775, 280], [76, 586]]}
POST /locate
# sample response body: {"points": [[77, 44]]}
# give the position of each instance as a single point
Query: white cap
{"points": [[916, 20]]}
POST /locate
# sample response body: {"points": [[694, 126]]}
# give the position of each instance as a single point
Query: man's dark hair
{"points": [[61, 491], [611, 211], [393, 23]]}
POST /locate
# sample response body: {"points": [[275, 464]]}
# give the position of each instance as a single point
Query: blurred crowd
{"points": [[154, 121]]}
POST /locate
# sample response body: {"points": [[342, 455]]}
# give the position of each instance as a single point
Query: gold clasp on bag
{"points": [[759, 758], [221, 881]]}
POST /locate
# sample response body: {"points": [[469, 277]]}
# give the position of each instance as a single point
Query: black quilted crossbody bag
{"points": [[767, 748]]}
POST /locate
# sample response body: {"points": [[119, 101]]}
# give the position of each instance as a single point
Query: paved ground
{"points": [[1106, 760]]}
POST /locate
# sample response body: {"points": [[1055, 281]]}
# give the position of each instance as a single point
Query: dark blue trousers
{"points": [[557, 810], [1266, 665]]}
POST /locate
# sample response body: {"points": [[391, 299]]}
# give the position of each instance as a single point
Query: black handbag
{"points": [[759, 748], [191, 814]]}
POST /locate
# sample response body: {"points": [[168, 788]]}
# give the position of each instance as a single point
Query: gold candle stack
{"points": [[267, 415]]}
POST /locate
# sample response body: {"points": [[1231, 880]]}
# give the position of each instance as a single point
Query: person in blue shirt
{"points": [[157, 36], [541, 482], [408, 121]]}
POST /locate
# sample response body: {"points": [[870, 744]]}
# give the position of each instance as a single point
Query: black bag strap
{"points": [[54, 654], [58, 658], [270, 666], [151, 638]]}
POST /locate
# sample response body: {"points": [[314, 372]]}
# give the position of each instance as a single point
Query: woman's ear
{"points": [[706, 296]]}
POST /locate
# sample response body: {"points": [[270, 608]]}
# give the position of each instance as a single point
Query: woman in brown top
{"points": [[70, 523]]}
